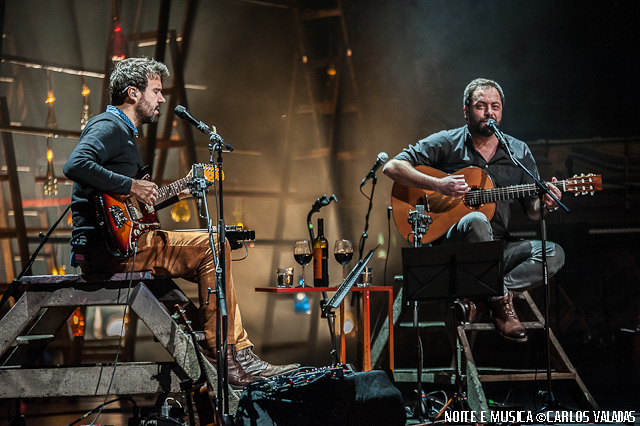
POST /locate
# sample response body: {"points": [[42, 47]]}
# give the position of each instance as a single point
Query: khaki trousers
{"points": [[185, 255]]}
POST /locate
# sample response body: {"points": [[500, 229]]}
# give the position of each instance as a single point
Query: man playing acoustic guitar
{"points": [[104, 162], [475, 144]]}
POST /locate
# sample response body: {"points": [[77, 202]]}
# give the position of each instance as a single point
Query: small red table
{"points": [[366, 329]]}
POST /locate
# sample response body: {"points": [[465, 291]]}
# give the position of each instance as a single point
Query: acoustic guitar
{"points": [[125, 218], [446, 211]]}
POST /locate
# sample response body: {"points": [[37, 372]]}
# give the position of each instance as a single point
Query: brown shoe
{"points": [[469, 311], [256, 367], [238, 378], [506, 320]]}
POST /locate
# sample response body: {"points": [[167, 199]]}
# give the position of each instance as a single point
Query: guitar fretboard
{"points": [[180, 185], [483, 196], [171, 190]]}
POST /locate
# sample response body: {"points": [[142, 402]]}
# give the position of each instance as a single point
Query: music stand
{"points": [[450, 272], [328, 306]]}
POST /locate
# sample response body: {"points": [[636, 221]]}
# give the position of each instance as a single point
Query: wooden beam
{"points": [[14, 187], [130, 378]]}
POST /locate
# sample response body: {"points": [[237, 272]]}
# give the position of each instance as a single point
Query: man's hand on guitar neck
{"points": [[186, 193], [144, 190], [549, 203]]}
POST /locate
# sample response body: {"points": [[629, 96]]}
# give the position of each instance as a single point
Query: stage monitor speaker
{"points": [[453, 271], [326, 397]]}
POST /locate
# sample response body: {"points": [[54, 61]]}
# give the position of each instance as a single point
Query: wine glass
{"points": [[302, 255], [343, 252]]}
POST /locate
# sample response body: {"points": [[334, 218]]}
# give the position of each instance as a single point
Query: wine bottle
{"points": [[320, 258]]}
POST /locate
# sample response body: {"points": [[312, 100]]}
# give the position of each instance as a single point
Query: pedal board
{"points": [[274, 385]]}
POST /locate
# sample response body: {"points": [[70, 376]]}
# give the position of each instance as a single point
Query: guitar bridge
{"points": [[118, 216]]}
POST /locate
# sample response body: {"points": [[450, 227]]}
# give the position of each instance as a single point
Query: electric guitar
{"points": [[446, 211], [124, 218]]}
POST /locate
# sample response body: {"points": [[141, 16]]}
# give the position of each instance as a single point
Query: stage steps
{"points": [[45, 306], [473, 375]]}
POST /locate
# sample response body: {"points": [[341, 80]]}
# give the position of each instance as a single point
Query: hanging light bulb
{"points": [[86, 111], [50, 180], [180, 211]]}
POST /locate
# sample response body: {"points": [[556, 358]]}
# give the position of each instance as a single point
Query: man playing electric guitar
{"points": [[105, 161], [476, 145]]}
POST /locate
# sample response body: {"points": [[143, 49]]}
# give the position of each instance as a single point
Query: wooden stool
{"points": [[45, 306], [562, 367]]}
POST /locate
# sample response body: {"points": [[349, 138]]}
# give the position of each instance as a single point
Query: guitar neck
{"points": [[507, 193], [171, 190]]}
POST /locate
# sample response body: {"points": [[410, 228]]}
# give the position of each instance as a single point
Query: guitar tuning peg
{"points": [[576, 194], [592, 192]]}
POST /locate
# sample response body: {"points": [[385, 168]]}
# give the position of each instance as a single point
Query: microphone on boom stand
{"points": [[183, 113]]}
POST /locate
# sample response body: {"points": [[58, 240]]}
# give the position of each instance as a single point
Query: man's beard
{"points": [[481, 130], [145, 113]]}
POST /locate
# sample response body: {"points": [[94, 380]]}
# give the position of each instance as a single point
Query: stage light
{"points": [[114, 325], [76, 321], [301, 304], [348, 323], [118, 43], [180, 211]]}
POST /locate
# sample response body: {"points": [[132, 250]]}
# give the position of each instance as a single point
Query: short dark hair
{"points": [[133, 72], [480, 83]]}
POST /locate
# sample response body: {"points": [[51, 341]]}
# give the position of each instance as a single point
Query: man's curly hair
{"points": [[480, 84], [133, 72]]}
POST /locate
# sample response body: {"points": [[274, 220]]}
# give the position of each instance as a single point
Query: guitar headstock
{"points": [[583, 184], [211, 172]]}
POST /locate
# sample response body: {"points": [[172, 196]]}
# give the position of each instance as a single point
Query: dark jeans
{"points": [[522, 258]]}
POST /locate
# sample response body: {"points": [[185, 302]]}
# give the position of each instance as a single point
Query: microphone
{"points": [[183, 113], [494, 126], [382, 158]]}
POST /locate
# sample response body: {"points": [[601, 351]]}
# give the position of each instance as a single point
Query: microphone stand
{"points": [[222, 328], [364, 236], [543, 189], [199, 187], [356, 296], [329, 315]]}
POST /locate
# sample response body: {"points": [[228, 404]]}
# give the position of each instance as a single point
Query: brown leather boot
{"points": [[254, 366], [238, 378], [470, 311], [506, 320]]}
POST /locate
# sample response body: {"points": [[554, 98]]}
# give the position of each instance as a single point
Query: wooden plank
{"points": [[17, 319], [515, 377], [130, 378], [165, 329], [47, 322]]}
